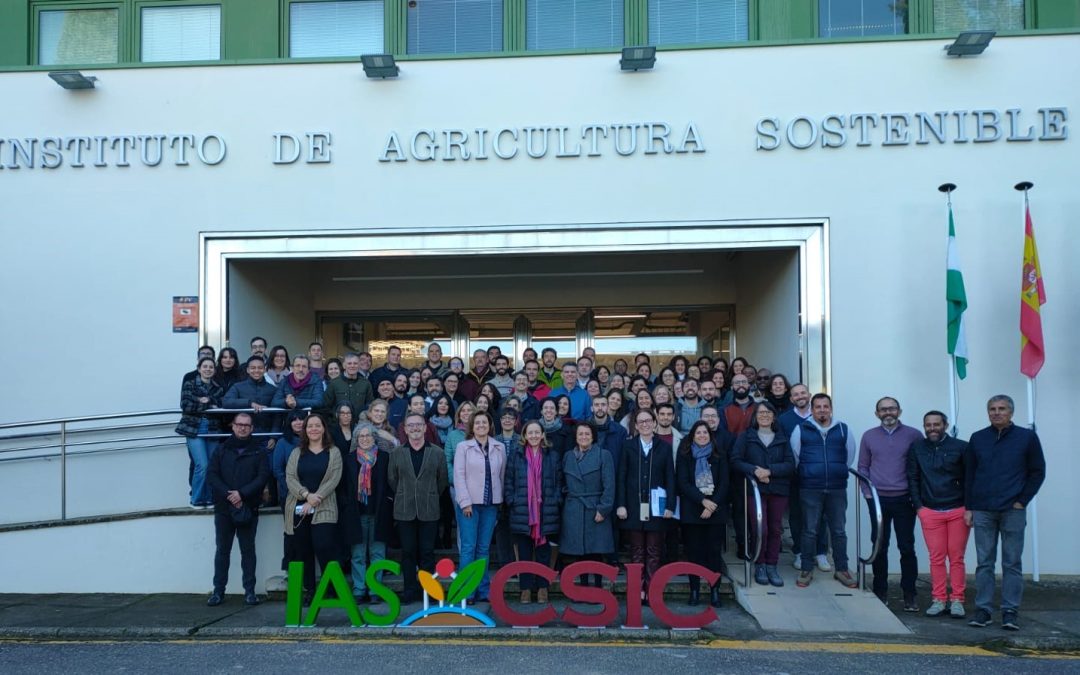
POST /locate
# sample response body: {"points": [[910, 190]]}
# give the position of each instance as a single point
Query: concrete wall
{"points": [[767, 313], [94, 254]]}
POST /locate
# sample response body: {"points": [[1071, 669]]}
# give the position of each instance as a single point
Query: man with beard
{"points": [[316, 364], [736, 416], [239, 470], [824, 450], [800, 411], [665, 418], [502, 381], [935, 470], [434, 390], [475, 378], [883, 455], [707, 392], [549, 374], [689, 405], [610, 436]]}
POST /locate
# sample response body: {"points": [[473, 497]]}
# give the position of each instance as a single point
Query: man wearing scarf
{"points": [[300, 389]]}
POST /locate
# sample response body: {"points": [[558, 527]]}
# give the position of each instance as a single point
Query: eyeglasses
{"points": [[241, 425], [414, 425]]}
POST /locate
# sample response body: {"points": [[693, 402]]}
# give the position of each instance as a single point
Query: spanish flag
{"points": [[1032, 298]]}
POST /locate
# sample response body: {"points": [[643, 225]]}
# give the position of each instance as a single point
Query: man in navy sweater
{"points": [[1004, 469]]}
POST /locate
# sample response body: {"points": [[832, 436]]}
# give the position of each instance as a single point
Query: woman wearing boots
{"points": [[702, 477], [533, 494], [764, 454]]}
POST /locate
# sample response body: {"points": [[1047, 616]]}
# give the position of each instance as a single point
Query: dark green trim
{"points": [[635, 23], [250, 29], [14, 33], [786, 19], [1056, 13], [395, 27], [514, 37]]}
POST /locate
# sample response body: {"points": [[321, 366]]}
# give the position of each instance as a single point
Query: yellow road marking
{"points": [[720, 644]]}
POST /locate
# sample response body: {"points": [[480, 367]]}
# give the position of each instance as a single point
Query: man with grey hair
{"points": [[1004, 469]]}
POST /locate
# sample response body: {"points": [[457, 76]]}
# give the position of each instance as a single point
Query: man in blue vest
{"points": [[824, 449]]}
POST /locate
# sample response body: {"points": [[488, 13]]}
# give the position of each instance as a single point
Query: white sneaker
{"points": [[956, 609], [937, 608], [823, 563], [797, 563], [278, 584]]}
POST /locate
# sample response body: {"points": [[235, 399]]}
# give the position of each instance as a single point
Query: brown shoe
{"points": [[526, 597], [805, 577], [542, 595], [845, 578]]}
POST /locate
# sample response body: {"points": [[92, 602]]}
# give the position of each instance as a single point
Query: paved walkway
{"points": [[1050, 619]]}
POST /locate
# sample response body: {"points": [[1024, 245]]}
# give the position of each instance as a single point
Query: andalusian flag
{"points": [[956, 301], [1032, 297]]}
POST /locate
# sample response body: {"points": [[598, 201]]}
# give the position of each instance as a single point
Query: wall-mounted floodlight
{"points": [[970, 43], [638, 58], [379, 65], [72, 79]]}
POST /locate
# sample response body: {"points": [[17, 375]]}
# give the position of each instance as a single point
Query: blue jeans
{"points": [[366, 552], [199, 451], [475, 536], [1009, 525], [833, 505], [795, 522]]}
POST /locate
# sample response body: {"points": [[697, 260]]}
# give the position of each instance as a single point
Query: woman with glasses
{"points": [[763, 454], [367, 514]]}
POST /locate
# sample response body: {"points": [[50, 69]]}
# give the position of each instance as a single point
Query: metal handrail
{"points": [[875, 500], [88, 418], [759, 517], [100, 451], [63, 444]]}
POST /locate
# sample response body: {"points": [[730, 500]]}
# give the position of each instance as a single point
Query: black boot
{"points": [[714, 598], [695, 597]]}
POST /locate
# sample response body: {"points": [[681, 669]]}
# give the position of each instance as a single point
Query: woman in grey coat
{"points": [[589, 488]]}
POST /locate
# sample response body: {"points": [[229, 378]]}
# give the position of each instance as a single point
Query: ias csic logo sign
{"points": [[450, 608]]}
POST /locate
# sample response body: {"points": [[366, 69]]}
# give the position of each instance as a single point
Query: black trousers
{"points": [[417, 550], [224, 531], [704, 546], [898, 513], [314, 542], [526, 549]]}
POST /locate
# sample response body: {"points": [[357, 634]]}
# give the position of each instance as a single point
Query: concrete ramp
{"points": [[825, 606]]}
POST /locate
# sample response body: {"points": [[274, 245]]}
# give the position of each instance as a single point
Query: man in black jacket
{"points": [[238, 472], [935, 476], [1004, 469]]}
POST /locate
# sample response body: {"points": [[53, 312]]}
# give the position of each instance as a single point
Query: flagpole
{"points": [[1033, 507], [954, 392]]}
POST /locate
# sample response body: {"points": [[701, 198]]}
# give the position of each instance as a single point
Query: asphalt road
{"points": [[444, 657]]}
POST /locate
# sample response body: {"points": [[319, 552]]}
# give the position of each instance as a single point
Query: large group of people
{"points": [[555, 462]]}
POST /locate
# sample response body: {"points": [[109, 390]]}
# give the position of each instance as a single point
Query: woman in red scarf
{"points": [[532, 492]]}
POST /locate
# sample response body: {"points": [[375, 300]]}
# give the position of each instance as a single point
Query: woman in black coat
{"points": [[763, 454], [367, 505], [646, 467], [702, 476], [532, 491]]}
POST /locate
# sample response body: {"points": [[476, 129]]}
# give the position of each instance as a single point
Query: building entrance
{"points": [[615, 332], [726, 289]]}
